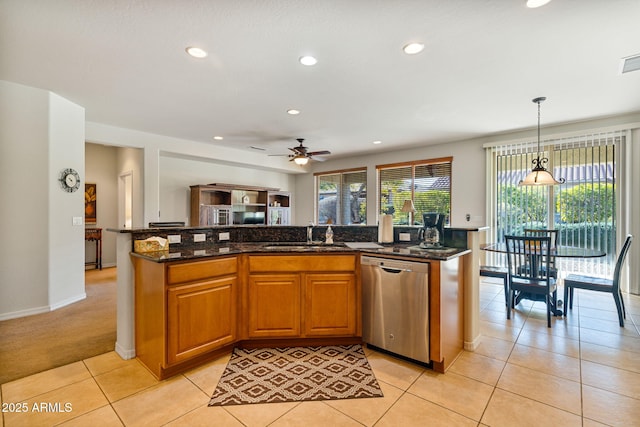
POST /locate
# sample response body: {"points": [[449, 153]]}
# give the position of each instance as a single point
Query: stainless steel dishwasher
{"points": [[395, 306]]}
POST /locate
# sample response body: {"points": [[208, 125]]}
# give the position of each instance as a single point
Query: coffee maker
{"points": [[430, 235]]}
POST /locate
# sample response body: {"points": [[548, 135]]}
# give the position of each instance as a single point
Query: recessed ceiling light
{"points": [[218, 138], [196, 52], [536, 3], [308, 60], [293, 112], [377, 142], [413, 48]]}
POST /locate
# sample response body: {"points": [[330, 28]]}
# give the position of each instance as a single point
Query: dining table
{"points": [[558, 251]]}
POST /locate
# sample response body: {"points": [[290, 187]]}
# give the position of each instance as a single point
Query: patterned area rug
{"points": [[265, 375]]}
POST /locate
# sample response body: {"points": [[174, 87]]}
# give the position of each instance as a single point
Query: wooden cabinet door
{"points": [[274, 305], [330, 304], [201, 317]]}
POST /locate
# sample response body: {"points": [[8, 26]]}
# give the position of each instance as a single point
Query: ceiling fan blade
{"points": [[279, 155], [319, 153]]}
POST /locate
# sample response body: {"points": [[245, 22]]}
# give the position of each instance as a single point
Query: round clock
{"points": [[69, 180]]}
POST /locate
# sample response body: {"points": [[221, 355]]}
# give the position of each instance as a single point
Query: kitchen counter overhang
{"points": [[222, 249]]}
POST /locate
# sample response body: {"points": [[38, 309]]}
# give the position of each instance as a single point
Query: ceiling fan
{"points": [[300, 154]]}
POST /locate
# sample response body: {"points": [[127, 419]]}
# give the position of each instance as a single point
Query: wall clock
{"points": [[69, 180]]}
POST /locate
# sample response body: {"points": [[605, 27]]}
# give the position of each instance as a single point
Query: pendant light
{"points": [[539, 175]]}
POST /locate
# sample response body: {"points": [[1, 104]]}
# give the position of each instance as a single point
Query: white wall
{"points": [[160, 146], [131, 161], [41, 256], [24, 194], [178, 173], [101, 169], [66, 241], [467, 186]]}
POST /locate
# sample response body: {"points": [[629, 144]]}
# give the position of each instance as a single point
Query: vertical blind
{"points": [[426, 182], [342, 197], [583, 208]]}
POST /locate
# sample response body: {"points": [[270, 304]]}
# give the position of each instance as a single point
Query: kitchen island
{"points": [[191, 303]]}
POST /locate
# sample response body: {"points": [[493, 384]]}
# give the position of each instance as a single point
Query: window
{"points": [[583, 209], [427, 183], [342, 197]]}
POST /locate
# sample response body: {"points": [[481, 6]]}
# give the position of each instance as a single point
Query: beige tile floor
{"points": [[584, 371]]}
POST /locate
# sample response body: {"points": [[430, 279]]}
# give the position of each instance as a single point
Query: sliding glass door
{"points": [[583, 208]]}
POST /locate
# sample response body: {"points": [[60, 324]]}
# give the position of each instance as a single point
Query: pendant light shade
{"points": [[301, 160], [539, 175]]}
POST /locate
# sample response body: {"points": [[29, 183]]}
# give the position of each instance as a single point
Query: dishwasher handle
{"points": [[393, 270]]}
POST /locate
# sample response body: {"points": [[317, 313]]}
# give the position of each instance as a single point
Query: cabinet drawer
{"points": [[299, 263], [199, 270]]}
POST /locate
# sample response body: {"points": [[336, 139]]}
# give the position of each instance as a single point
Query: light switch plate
{"points": [[223, 236], [76, 220], [200, 237], [174, 238], [404, 237]]}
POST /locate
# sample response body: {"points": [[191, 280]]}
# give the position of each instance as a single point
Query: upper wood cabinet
{"points": [[279, 208], [210, 205], [225, 204]]}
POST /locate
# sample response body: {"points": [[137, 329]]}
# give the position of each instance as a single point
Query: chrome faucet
{"points": [[310, 232]]}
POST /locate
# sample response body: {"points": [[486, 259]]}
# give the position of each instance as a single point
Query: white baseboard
{"points": [[126, 354], [43, 309], [472, 345], [68, 301]]}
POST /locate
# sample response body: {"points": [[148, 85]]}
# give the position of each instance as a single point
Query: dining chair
{"points": [[600, 284], [554, 235], [527, 264]]}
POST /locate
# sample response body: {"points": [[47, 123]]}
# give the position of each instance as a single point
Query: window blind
{"points": [[583, 208], [427, 183]]}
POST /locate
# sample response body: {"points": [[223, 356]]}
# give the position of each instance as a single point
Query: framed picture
{"points": [[90, 209]]}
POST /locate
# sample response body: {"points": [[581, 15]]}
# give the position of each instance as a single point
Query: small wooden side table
{"points": [[95, 235]]}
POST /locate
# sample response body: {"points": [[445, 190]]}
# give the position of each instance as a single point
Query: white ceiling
{"points": [[484, 60]]}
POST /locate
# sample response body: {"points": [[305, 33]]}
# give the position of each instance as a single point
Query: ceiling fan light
{"points": [[301, 160]]}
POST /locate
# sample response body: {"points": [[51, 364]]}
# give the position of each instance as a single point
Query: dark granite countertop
{"points": [[222, 249]]}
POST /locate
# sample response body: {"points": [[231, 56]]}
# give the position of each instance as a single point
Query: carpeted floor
{"points": [[87, 328], [266, 375]]}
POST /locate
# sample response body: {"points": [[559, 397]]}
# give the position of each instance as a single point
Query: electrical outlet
{"points": [[223, 236], [200, 252], [404, 237], [200, 237], [174, 238]]}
